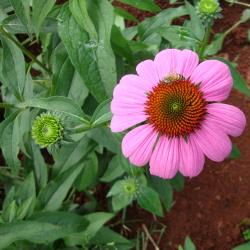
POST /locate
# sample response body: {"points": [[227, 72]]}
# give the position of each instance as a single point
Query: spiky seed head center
{"points": [[175, 107]]}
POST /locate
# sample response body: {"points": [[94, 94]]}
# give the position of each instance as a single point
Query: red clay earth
{"points": [[212, 205]]}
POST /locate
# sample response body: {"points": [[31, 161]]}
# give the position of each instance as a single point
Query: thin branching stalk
{"points": [[24, 50]]}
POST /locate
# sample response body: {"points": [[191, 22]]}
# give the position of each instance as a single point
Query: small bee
{"points": [[173, 77]]}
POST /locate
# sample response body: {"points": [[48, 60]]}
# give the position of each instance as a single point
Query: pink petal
{"points": [[131, 87], [227, 117], [165, 159], [187, 62], [182, 62], [128, 103], [166, 62], [137, 145], [214, 78], [213, 141], [148, 72], [122, 122], [192, 158]]}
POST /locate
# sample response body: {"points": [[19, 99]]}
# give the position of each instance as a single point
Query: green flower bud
{"points": [[47, 130], [208, 6], [208, 10], [130, 186]]}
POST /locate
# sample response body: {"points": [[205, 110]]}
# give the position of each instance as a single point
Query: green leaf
{"points": [[40, 167], [189, 245], [177, 182], [245, 15], [83, 53], [96, 221], [106, 138], [27, 189], [102, 15], [238, 81], [44, 229], [40, 10], [107, 237], [121, 45], [10, 146], [102, 114], [72, 154], [216, 45], [66, 81], [113, 171], [8, 201], [22, 9], [78, 90], [52, 196], [89, 174], [13, 68], [164, 189], [79, 10], [179, 37], [235, 153], [26, 208], [57, 104], [163, 19], [147, 5], [121, 200], [245, 246], [149, 200], [196, 25], [63, 71], [125, 14]]}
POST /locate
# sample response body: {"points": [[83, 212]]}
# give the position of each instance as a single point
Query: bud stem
{"points": [[24, 50], [204, 42]]}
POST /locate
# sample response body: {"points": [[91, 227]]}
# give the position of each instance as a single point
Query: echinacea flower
{"points": [[175, 103]]}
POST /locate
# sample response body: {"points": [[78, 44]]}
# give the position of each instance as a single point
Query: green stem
{"points": [[204, 42], [124, 213], [240, 3], [24, 50], [232, 28], [7, 105]]}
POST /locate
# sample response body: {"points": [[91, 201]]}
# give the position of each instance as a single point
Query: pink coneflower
{"points": [[174, 100]]}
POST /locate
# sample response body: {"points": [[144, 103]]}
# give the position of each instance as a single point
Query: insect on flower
{"points": [[175, 101]]}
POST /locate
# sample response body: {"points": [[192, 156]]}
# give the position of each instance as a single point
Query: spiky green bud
{"points": [[47, 130], [208, 10], [130, 186]]}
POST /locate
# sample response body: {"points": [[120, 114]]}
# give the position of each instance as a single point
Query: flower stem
{"points": [[240, 3], [204, 43], [24, 50], [7, 105], [232, 28]]}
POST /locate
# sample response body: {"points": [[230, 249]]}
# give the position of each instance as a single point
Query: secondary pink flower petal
{"points": [[120, 123], [165, 159], [182, 62], [129, 97], [137, 145], [131, 87], [227, 117], [166, 62], [192, 158], [214, 78], [186, 63], [213, 141], [148, 72]]}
